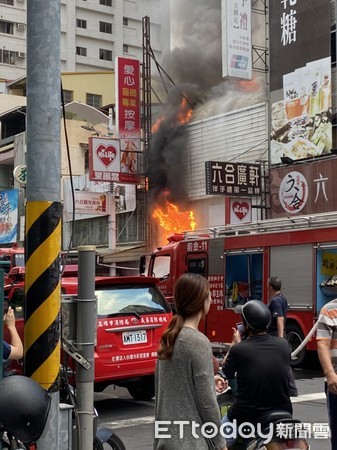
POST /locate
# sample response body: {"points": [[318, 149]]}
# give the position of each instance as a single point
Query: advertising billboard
{"points": [[236, 26], [8, 216], [114, 160], [127, 97], [303, 188], [300, 80], [228, 178]]}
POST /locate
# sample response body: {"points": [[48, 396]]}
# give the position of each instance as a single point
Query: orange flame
{"points": [[183, 116], [156, 125], [249, 85], [185, 113], [172, 220]]}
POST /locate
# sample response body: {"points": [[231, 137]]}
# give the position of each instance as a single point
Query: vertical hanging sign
{"points": [[127, 98], [236, 24]]}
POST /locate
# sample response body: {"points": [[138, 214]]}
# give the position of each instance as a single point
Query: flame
{"points": [[172, 220], [185, 113], [182, 117], [249, 85], [156, 125]]}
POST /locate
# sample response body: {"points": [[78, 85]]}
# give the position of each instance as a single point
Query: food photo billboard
{"points": [[300, 79]]}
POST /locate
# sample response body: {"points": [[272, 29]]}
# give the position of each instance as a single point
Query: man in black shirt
{"points": [[261, 364], [278, 306]]}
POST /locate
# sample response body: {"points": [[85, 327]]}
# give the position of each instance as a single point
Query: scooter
{"points": [[278, 430]]}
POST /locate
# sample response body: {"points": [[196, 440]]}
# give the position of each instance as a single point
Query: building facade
{"points": [[93, 33]]}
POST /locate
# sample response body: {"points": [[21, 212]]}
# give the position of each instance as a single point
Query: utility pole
{"points": [[85, 337], [43, 207]]}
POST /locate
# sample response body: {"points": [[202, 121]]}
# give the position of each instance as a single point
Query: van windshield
{"points": [[129, 300]]}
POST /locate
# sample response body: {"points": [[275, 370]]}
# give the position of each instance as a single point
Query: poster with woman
{"points": [[8, 216]]}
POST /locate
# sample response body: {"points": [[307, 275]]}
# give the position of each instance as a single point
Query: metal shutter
{"points": [[294, 265]]}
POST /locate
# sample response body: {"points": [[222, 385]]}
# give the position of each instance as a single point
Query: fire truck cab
{"points": [[238, 260]]}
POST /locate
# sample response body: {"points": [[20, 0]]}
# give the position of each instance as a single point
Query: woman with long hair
{"points": [[187, 414]]}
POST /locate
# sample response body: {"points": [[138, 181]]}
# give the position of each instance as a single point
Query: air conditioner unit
{"points": [[21, 55], [21, 1], [21, 26]]}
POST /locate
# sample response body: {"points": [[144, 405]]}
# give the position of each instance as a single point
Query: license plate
{"points": [[134, 337]]}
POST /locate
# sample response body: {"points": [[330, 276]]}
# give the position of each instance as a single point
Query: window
{"points": [[125, 21], [6, 27], [197, 265], [7, 57], [125, 48], [94, 100], [68, 96], [81, 51], [80, 23], [105, 54], [105, 2], [105, 27], [7, 2]]}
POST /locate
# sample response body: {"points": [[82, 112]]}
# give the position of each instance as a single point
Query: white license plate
{"points": [[134, 337]]}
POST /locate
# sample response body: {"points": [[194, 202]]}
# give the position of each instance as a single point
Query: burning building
{"points": [[205, 118]]}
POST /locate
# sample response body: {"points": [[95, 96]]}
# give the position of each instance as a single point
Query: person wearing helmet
{"points": [[14, 349], [24, 408], [261, 364]]}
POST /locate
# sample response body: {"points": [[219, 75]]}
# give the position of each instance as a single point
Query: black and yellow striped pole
{"points": [[43, 207], [42, 340]]}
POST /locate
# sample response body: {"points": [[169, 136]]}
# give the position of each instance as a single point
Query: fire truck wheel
{"points": [[142, 390], [295, 338]]}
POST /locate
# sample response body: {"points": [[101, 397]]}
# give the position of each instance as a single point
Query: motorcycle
{"points": [[277, 430]]}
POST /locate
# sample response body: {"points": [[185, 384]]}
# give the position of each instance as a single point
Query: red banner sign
{"points": [[127, 98]]}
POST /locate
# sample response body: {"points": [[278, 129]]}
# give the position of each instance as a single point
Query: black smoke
{"points": [[195, 66]]}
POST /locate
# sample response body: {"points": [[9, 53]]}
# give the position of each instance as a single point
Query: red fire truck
{"points": [[239, 259]]}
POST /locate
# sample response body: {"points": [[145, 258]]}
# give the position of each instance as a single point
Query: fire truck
{"points": [[238, 260]]}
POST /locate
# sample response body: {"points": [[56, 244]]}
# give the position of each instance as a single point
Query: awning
{"points": [[121, 254], [87, 113]]}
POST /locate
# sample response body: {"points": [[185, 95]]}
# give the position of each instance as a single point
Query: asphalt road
{"points": [[133, 420]]}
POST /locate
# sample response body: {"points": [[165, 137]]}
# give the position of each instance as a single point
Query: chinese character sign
{"points": [[114, 160], [236, 39], [300, 80], [300, 34], [86, 202], [8, 216], [233, 178], [310, 189], [127, 98]]}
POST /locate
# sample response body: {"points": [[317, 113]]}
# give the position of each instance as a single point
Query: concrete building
{"points": [[93, 33]]}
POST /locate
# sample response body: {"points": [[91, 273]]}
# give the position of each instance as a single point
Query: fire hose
{"points": [[304, 342]]}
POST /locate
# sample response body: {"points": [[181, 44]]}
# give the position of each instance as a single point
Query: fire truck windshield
{"points": [[161, 266]]}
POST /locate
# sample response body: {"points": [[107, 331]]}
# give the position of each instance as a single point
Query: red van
{"points": [[132, 313]]}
